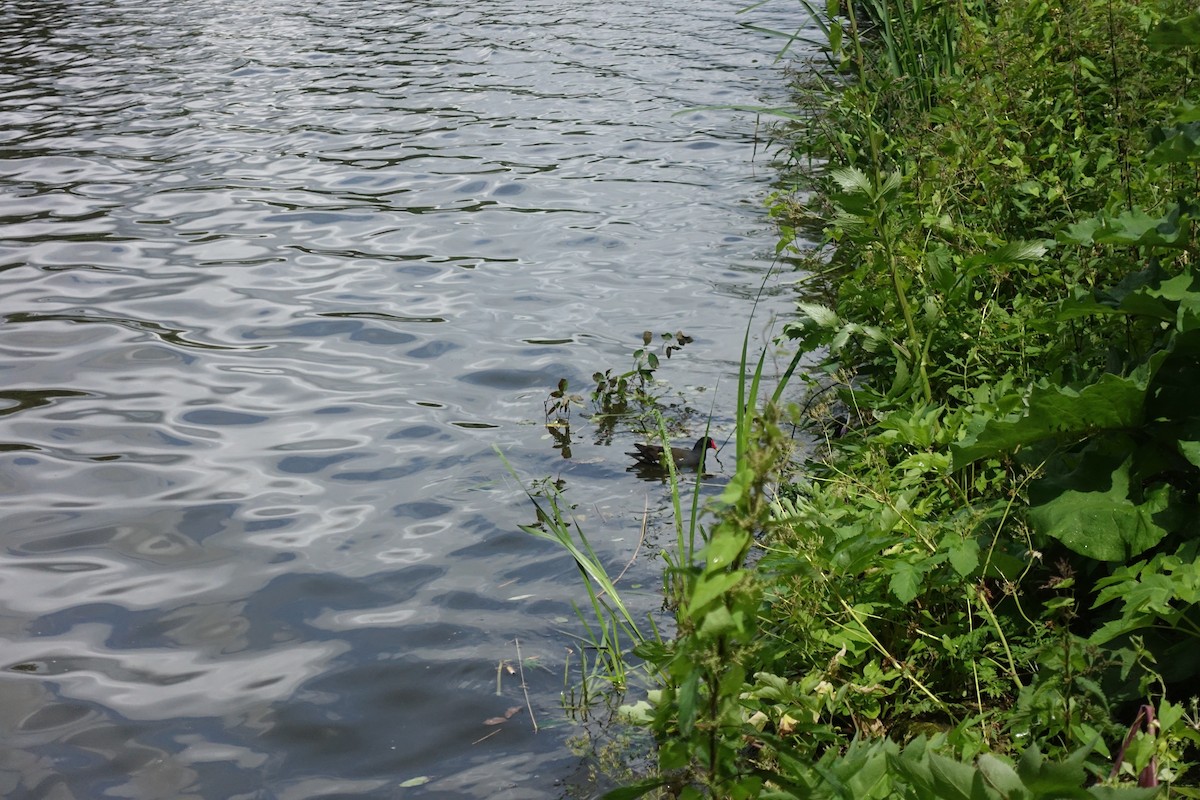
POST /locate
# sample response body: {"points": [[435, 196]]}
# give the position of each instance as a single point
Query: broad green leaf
{"points": [[1179, 288], [717, 622], [1186, 111], [901, 379], [1172, 34], [964, 557], [1084, 305], [905, 582], [639, 713], [1190, 450], [1137, 228], [1106, 526], [724, 549], [870, 777], [1048, 779], [1168, 714], [1127, 793], [913, 764], [1131, 228], [735, 490], [1081, 233], [1001, 775], [1054, 411], [1148, 596], [953, 779], [1175, 144], [709, 588]]}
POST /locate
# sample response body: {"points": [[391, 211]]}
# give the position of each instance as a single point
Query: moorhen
{"points": [[650, 455]]}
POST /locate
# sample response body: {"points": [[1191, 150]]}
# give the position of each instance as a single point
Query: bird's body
{"points": [[651, 455]]}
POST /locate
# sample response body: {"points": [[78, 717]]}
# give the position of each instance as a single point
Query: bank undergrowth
{"points": [[981, 581]]}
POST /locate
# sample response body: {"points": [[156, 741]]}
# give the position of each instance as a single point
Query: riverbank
{"points": [[982, 581]]}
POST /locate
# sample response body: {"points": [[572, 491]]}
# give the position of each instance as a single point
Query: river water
{"points": [[275, 278]]}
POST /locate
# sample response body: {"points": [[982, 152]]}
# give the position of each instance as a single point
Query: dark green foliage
{"points": [[982, 582], [1014, 340]]}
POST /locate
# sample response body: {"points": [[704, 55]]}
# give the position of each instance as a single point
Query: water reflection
{"points": [[276, 277]]}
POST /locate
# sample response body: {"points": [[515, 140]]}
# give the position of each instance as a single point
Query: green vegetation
{"points": [[982, 581], [634, 398]]}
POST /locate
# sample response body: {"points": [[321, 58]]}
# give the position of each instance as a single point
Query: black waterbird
{"points": [[650, 455]]}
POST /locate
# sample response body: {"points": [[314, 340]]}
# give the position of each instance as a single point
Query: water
{"points": [[275, 278]]}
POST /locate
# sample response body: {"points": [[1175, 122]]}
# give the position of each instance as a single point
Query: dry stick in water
{"points": [[490, 735], [636, 550], [524, 688]]}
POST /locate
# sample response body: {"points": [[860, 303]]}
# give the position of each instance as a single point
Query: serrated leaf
{"points": [[851, 180], [1010, 253], [840, 339], [820, 315], [954, 780], [873, 333], [905, 582], [891, 183], [1001, 776], [964, 557], [1048, 779]]}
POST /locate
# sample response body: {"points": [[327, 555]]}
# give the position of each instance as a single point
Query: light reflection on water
{"points": [[275, 278]]}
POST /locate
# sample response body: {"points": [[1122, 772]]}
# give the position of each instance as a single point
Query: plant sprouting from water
{"points": [[631, 398], [635, 392]]}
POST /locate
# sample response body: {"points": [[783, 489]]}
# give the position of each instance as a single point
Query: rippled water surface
{"points": [[275, 277]]}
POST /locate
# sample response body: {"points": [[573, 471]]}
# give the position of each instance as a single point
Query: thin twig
{"points": [[524, 688], [638, 549], [490, 735]]}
